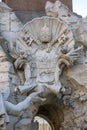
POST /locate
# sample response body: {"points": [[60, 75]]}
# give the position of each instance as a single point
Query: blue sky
{"points": [[80, 7]]}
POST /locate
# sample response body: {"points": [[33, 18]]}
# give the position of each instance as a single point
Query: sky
{"points": [[80, 7]]}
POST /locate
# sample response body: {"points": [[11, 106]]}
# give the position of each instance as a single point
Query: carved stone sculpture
{"points": [[77, 24], [76, 76], [43, 60], [41, 64], [51, 49]]}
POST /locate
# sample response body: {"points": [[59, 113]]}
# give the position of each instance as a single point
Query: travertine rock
{"points": [[43, 70], [77, 24], [10, 25], [75, 77], [3, 114], [78, 74]]}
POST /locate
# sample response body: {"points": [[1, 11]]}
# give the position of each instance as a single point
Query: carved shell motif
{"points": [[45, 30]]}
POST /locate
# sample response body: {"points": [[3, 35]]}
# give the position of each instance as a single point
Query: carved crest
{"points": [[45, 30], [44, 47], [43, 42]]}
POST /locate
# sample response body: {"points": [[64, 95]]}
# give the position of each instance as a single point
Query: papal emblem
{"points": [[43, 49], [45, 46]]}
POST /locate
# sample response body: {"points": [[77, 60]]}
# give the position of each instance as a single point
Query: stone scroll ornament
{"points": [[45, 46]]}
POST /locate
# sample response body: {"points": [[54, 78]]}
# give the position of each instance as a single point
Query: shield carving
{"points": [[46, 46]]}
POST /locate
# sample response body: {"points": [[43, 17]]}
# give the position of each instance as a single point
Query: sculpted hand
{"points": [[73, 55]]}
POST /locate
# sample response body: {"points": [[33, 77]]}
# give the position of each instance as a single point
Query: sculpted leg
{"points": [[28, 85]]}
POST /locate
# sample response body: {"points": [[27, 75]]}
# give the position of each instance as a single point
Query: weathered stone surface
{"points": [[76, 101], [4, 89], [2, 109], [4, 7], [2, 54], [5, 67], [3, 114], [24, 124], [10, 24], [47, 72], [78, 25], [78, 74]]}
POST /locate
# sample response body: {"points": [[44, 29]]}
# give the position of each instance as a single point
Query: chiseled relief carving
{"points": [[40, 51], [77, 24], [75, 97], [45, 46], [59, 10]]}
